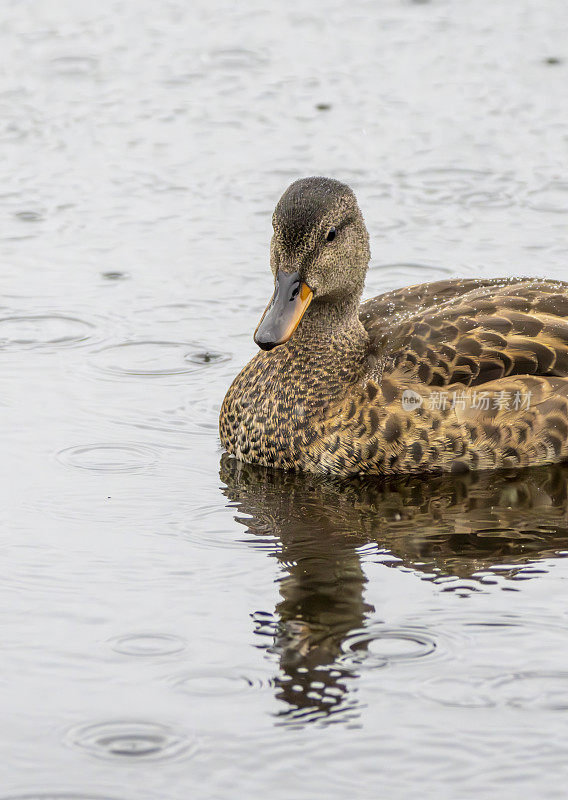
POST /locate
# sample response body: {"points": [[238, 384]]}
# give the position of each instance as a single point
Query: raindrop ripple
{"points": [[132, 740], [153, 359], [109, 457], [148, 644], [45, 331], [379, 646]]}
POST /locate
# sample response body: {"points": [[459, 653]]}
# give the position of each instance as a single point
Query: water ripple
{"points": [[153, 359], [29, 215], [74, 66], [199, 416], [45, 331], [544, 689], [458, 692], [378, 646], [552, 198], [58, 796], [109, 457], [148, 644], [76, 504], [465, 187], [235, 59], [218, 683], [204, 530], [131, 740], [115, 275], [206, 357]]}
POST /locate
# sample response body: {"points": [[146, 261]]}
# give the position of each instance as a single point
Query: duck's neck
{"points": [[326, 353], [268, 411], [324, 320]]}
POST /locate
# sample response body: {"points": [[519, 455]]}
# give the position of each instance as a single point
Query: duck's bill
{"points": [[287, 307]]}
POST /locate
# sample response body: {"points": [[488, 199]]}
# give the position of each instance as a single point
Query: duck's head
{"points": [[319, 255]]}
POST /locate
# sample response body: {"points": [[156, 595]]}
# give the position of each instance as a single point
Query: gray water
{"points": [[173, 625]]}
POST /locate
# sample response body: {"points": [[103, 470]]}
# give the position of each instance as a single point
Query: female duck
{"points": [[447, 376]]}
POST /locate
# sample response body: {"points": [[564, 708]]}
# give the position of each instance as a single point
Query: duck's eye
{"points": [[330, 235]]}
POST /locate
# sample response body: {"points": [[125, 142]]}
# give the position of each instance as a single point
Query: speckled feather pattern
{"points": [[330, 400]]}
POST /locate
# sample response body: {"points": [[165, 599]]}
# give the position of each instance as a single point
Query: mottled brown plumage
{"points": [[447, 376]]}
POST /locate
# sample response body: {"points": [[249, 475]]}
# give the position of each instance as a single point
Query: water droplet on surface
{"points": [[130, 740], [109, 457], [114, 275], [206, 357], [148, 644]]}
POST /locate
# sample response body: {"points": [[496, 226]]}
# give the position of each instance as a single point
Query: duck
{"points": [[448, 376]]}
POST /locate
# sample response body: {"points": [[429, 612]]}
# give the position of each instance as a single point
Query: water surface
{"points": [[175, 624]]}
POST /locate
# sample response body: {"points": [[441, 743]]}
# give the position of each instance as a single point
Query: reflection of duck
{"points": [[448, 376], [456, 527]]}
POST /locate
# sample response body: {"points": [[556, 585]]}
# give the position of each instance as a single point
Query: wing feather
{"points": [[471, 332]]}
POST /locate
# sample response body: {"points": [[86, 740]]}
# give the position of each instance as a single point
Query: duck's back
{"points": [[471, 331], [485, 364]]}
